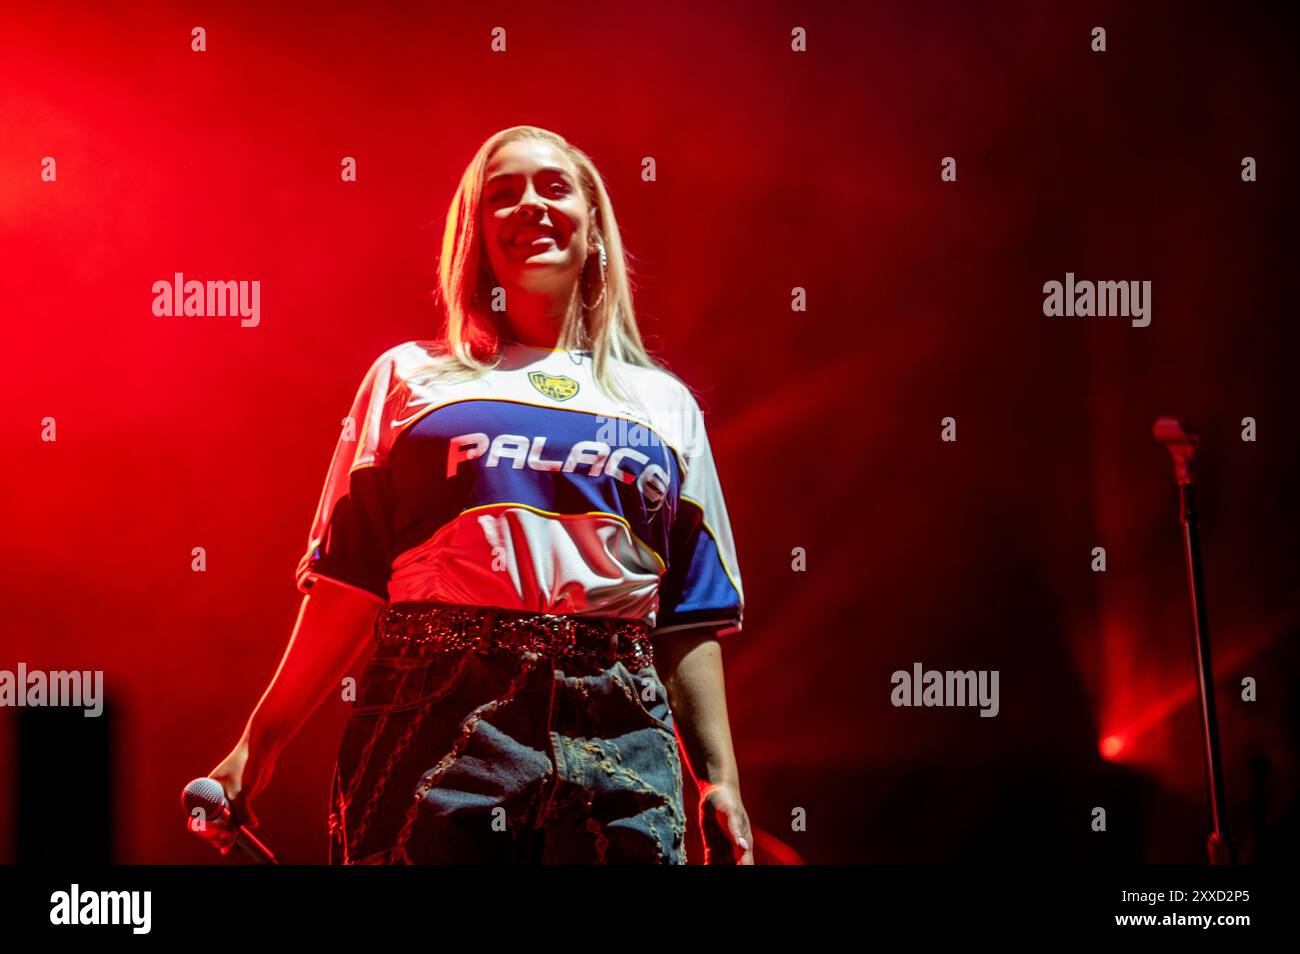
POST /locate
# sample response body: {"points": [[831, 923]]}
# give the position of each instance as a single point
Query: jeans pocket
{"points": [[649, 694], [394, 684]]}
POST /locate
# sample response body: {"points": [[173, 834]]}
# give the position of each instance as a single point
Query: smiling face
{"points": [[536, 220]]}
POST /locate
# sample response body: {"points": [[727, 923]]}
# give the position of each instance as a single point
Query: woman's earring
{"points": [[604, 280]]}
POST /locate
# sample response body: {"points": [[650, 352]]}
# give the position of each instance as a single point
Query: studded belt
{"points": [[447, 627]]}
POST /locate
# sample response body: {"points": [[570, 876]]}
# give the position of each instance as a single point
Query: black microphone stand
{"points": [[1182, 445]]}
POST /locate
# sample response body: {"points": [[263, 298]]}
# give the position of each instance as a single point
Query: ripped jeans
{"points": [[471, 758]]}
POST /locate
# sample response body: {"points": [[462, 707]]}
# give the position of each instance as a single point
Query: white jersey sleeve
{"points": [[351, 535], [702, 585]]}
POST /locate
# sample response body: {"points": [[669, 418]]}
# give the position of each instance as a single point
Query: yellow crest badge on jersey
{"points": [[554, 386]]}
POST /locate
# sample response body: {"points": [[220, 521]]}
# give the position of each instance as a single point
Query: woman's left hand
{"points": [[725, 827]]}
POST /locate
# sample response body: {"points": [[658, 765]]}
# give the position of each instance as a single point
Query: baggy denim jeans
{"points": [[470, 758]]}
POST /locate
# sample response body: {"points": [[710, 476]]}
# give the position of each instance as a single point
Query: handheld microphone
{"points": [[208, 795]]}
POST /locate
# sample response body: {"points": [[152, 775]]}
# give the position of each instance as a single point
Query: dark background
{"points": [[775, 170]]}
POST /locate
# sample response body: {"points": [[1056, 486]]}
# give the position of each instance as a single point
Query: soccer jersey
{"points": [[528, 488]]}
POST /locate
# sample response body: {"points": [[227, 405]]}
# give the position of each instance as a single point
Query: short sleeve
{"points": [[351, 535], [701, 585]]}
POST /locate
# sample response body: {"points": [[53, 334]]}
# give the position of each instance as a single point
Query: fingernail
{"points": [[744, 845]]}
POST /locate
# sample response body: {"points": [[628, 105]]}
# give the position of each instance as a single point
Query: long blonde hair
{"points": [[469, 343]]}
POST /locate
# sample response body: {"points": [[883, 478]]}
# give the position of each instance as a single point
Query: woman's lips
{"points": [[533, 237]]}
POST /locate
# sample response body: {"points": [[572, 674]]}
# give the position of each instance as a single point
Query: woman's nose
{"points": [[531, 208], [530, 203]]}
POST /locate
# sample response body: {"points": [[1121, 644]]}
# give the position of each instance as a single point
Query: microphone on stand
{"points": [[208, 795], [1182, 445]]}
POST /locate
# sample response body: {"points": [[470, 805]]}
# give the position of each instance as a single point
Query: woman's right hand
{"points": [[243, 774]]}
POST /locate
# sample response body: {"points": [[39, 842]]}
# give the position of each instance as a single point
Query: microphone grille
{"points": [[205, 793]]}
